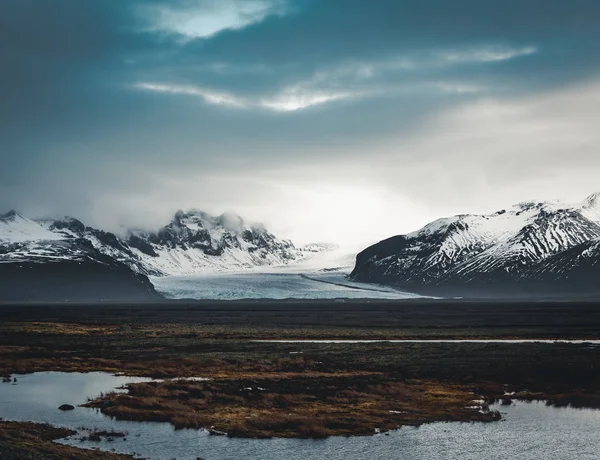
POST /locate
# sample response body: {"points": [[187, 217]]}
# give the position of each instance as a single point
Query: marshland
{"points": [[205, 367]]}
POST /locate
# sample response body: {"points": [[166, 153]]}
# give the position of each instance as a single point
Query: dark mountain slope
{"points": [[531, 250]]}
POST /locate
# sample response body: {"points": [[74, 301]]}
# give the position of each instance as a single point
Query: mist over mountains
{"points": [[193, 242], [533, 249]]}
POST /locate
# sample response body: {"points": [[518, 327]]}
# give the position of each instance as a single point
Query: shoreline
{"points": [[31, 440], [262, 388]]}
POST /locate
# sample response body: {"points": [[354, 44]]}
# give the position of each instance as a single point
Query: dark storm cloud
{"points": [[100, 96], [72, 61], [59, 63], [338, 31]]}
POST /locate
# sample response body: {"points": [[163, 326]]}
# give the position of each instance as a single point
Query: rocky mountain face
{"points": [[65, 258], [38, 264], [532, 249], [195, 242]]}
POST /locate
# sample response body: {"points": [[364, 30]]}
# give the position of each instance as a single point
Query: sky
{"points": [[328, 120]]}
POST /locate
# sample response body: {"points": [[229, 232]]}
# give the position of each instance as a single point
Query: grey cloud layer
{"points": [[104, 96]]}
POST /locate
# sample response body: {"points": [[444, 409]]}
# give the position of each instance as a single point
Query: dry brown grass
{"points": [[69, 329], [19, 440], [328, 389], [307, 405]]}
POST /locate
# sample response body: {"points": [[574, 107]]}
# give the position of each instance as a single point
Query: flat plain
{"points": [[264, 389]]}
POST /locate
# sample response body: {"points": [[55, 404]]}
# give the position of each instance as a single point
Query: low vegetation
{"points": [[33, 441], [262, 389], [100, 435], [302, 405]]}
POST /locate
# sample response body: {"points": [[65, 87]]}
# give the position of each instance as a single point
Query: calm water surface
{"points": [[528, 431]]}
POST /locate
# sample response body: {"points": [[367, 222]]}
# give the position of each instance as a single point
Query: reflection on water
{"points": [[528, 431]]}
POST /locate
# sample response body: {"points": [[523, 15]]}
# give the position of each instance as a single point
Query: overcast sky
{"points": [[336, 120]]}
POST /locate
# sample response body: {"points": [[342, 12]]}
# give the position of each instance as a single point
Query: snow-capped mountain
{"points": [[39, 262], [531, 247], [73, 255], [193, 242], [196, 242], [15, 228]]}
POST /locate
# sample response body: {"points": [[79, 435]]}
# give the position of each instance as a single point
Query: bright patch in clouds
{"points": [[209, 96], [294, 99], [437, 59], [345, 213], [488, 54], [289, 100], [205, 18], [493, 152], [458, 88], [349, 80]]}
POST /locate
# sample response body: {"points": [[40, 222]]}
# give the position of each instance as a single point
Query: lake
{"points": [[528, 431]]}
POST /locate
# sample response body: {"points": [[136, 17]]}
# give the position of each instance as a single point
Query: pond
{"points": [[528, 431]]}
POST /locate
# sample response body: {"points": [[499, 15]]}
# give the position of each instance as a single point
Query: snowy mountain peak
{"points": [[195, 219], [482, 249], [533, 205], [67, 224], [193, 242], [526, 205], [590, 207], [197, 241], [591, 202], [15, 228], [592, 199], [11, 216]]}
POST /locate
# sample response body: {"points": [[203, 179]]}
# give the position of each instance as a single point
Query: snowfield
{"points": [[322, 275]]}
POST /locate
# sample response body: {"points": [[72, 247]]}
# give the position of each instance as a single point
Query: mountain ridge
{"points": [[63, 259], [192, 242], [490, 254]]}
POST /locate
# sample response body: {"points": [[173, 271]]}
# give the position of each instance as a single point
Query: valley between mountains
{"points": [[547, 249]]}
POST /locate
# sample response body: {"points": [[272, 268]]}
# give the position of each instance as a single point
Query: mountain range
{"points": [[65, 259], [533, 249]]}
